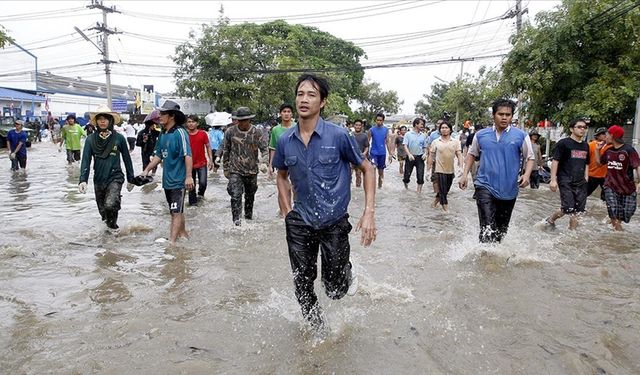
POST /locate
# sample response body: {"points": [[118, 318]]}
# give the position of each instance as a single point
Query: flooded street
{"points": [[75, 299]]}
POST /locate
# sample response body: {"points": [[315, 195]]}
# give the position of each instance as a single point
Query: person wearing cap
{"points": [[500, 149], [538, 162], [597, 173], [148, 137], [240, 163], [106, 148], [620, 192], [17, 146], [174, 150], [569, 173], [286, 121], [70, 135], [314, 158]]}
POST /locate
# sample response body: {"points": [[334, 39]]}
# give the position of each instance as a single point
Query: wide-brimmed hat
{"points": [[243, 113], [103, 109], [154, 117], [600, 130], [19, 122], [173, 107], [218, 119]]}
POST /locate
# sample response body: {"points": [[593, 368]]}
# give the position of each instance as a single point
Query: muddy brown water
{"points": [[75, 299]]}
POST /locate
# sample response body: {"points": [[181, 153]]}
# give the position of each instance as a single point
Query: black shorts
{"points": [[573, 197], [175, 198]]}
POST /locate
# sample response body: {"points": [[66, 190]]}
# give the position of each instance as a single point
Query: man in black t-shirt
{"points": [[570, 173], [362, 139]]}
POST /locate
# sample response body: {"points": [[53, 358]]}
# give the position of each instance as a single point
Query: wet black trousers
{"points": [[108, 201], [199, 174], [445, 180], [534, 180], [146, 159], [238, 185], [408, 169], [494, 215], [304, 242]]}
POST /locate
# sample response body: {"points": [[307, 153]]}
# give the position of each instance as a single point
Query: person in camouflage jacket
{"points": [[240, 163]]}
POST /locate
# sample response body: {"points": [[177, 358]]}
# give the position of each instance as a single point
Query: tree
{"points": [[250, 65], [4, 37], [470, 95], [583, 59], [372, 100]]}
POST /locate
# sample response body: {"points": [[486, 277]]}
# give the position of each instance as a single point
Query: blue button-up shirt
{"points": [[416, 142], [320, 172]]}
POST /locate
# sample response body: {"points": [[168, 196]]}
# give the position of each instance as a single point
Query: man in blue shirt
{"points": [[314, 158], [216, 136], [415, 147], [174, 150], [17, 146], [378, 138], [500, 149]]}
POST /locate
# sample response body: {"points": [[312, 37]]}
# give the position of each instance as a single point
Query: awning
{"points": [[15, 95]]}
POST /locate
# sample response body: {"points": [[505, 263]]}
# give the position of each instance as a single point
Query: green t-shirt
{"points": [[71, 134], [276, 132], [109, 169]]}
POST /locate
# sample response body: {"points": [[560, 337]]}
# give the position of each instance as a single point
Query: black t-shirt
{"points": [[572, 157], [362, 139]]}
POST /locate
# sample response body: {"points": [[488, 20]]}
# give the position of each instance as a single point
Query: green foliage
{"points": [[576, 63], [4, 37], [242, 65], [372, 100], [470, 95]]}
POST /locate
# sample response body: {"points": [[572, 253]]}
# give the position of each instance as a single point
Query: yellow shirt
{"points": [[445, 154]]}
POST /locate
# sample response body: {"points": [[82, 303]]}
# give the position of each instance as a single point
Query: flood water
{"points": [[75, 299]]}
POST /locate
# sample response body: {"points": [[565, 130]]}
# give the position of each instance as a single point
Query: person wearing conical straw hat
{"points": [[106, 148]]}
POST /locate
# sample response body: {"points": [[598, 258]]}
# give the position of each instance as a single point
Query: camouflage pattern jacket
{"points": [[240, 150]]}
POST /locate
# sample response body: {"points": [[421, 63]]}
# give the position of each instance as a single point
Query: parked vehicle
{"points": [[8, 123]]}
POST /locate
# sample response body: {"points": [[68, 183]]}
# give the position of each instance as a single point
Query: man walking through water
{"points": [[620, 192], [569, 173], [240, 163], [378, 139], [17, 146], [500, 149], [314, 158], [286, 121], [174, 151], [70, 135], [106, 148]]}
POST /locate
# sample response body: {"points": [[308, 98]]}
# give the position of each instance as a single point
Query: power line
{"points": [[40, 15]]}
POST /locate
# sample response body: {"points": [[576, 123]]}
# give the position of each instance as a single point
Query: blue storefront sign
{"points": [[119, 105]]}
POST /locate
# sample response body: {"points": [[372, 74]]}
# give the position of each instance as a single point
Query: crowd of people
{"points": [[314, 160]]}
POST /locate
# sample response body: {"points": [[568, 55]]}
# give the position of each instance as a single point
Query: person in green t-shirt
{"points": [[286, 118], [70, 134]]}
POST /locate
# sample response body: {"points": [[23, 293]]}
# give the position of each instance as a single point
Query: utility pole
{"points": [[518, 29], [95, 4], [459, 81], [636, 128]]}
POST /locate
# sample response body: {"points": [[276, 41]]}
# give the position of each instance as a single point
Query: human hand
{"points": [[210, 165], [411, 157], [367, 224], [12, 156], [553, 185], [188, 183], [462, 183], [82, 188], [524, 181], [424, 157]]}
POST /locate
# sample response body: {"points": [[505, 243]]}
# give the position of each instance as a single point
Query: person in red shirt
{"points": [[202, 158], [620, 192]]}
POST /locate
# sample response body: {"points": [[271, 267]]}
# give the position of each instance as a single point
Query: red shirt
{"points": [[198, 142], [620, 165]]}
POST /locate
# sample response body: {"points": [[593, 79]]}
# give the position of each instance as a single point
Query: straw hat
{"points": [[103, 109]]}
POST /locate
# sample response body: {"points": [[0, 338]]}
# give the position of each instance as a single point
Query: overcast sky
{"points": [[152, 29]]}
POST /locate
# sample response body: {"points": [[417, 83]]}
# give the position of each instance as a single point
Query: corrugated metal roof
{"points": [[9, 94], [52, 83]]}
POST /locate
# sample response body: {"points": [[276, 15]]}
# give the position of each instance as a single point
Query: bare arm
{"points": [[152, 164], [468, 162], [210, 155], [553, 185], [367, 222], [188, 162], [284, 191]]}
